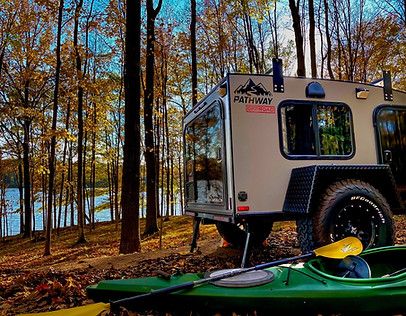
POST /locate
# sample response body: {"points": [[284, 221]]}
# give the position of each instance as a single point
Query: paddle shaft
{"points": [[189, 285]]}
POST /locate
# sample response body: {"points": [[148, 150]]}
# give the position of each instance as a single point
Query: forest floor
{"points": [[30, 282]]}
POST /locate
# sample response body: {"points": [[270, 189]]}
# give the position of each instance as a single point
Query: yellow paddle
{"points": [[86, 310], [337, 250]]}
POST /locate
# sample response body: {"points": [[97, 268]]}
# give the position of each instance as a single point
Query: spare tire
{"points": [[348, 208], [235, 234]]}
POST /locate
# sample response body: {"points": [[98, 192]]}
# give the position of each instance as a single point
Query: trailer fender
{"points": [[307, 184]]}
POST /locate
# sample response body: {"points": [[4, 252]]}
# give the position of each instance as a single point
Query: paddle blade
{"points": [[340, 249], [87, 310]]}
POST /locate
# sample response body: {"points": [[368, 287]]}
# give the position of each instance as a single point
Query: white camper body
{"points": [[260, 148]]}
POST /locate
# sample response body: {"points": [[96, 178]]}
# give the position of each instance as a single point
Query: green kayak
{"points": [[373, 282]]}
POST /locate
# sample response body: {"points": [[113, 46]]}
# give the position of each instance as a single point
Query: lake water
{"points": [[12, 226]]}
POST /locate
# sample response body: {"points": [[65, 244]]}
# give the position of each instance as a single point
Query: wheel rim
{"points": [[358, 218]]}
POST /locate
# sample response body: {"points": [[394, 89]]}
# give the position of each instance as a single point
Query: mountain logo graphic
{"points": [[251, 88]]}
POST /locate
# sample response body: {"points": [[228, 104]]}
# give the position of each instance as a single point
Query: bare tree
{"points": [[312, 40], [328, 38], [397, 7], [274, 29], [294, 9]]}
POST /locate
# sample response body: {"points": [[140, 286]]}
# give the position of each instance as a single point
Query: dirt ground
{"points": [[30, 282]]}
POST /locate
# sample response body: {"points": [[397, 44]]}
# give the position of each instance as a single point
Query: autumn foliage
{"points": [[79, 135]]}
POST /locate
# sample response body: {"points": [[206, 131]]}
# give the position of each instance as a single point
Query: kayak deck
{"points": [[311, 287], [383, 262]]}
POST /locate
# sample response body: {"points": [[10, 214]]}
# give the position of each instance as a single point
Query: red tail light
{"points": [[243, 208]]}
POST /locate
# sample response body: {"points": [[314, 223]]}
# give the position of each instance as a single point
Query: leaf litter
{"points": [[31, 283]]}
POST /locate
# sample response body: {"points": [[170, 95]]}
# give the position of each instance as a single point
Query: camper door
{"points": [[205, 160]]}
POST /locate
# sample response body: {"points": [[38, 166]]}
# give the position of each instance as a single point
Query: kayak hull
{"points": [[302, 287]]}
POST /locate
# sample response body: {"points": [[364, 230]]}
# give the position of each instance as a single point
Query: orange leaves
{"points": [[45, 291], [24, 113], [58, 291], [59, 134]]}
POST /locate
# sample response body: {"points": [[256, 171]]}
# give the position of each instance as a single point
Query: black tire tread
{"points": [[304, 229], [310, 230], [236, 236], [340, 188], [231, 233]]}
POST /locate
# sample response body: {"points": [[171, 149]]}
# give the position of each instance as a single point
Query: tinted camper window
{"points": [[391, 125], [204, 158], [316, 130]]}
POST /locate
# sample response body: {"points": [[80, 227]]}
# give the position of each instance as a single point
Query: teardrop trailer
{"points": [[329, 154]]}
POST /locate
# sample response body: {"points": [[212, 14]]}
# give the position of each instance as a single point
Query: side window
{"points": [[316, 130], [298, 131], [334, 125]]}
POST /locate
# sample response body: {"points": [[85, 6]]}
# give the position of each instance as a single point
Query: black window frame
{"points": [[193, 205], [318, 155]]}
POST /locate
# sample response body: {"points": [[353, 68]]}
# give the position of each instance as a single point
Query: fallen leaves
{"points": [[39, 291], [56, 282]]}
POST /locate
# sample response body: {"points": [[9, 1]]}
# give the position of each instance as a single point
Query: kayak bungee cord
{"points": [[290, 268]]}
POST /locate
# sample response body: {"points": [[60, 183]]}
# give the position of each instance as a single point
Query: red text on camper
{"points": [[266, 109]]}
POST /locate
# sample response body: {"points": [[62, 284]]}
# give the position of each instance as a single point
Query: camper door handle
{"points": [[219, 153], [387, 156]]}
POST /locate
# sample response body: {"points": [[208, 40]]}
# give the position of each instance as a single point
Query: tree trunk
{"points": [[110, 192], [180, 179], [86, 66], [93, 165], [151, 225], [328, 38], [403, 15], [338, 37], [274, 30], [27, 181], [69, 188], [162, 180], [294, 9], [193, 50], [117, 160], [65, 148], [115, 171], [3, 51], [165, 164], [157, 125], [44, 194], [78, 61], [253, 55], [51, 160], [320, 29], [21, 192], [54, 206], [168, 175], [160, 165], [84, 171], [171, 195], [312, 40], [130, 197]]}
